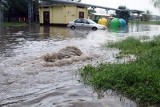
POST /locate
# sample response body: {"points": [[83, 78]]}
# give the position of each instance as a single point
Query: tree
{"points": [[156, 3], [123, 12], [18, 8], [15, 9], [146, 16], [2, 8], [90, 11]]}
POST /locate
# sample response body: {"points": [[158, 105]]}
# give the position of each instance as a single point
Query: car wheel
{"points": [[73, 27], [94, 28]]}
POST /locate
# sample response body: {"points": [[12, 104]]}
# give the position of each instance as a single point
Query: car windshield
{"points": [[91, 21]]}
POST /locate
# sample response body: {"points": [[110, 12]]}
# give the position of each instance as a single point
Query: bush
{"points": [[138, 80]]}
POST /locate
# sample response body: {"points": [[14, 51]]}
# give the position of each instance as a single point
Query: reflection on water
{"points": [[139, 27], [62, 32], [1, 30], [135, 28], [14, 37], [24, 82]]}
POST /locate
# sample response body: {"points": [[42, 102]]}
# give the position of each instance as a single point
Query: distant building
{"points": [[149, 17], [96, 16], [61, 14]]}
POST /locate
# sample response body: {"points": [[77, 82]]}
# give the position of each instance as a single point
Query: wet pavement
{"points": [[26, 82]]}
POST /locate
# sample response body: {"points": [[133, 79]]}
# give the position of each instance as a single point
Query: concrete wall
{"points": [[70, 13], [57, 15]]}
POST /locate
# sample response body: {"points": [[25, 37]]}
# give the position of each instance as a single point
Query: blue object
{"points": [[123, 23]]}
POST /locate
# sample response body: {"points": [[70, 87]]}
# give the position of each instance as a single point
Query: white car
{"points": [[85, 23]]}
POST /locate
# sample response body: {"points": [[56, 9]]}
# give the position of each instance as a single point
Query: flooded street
{"points": [[25, 81]]}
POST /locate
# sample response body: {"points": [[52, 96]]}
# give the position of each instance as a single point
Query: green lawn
{"points": [[15, 24]]}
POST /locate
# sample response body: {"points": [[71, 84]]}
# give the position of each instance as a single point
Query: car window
{"points": [[78, 21], [91, 21], [84, 21]]}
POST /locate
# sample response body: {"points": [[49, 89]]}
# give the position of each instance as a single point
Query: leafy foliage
{"points": [[123, 13], [156, 3], [18, 8]]}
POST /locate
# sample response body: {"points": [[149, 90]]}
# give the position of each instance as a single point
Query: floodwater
{"points": [[26, 82]]}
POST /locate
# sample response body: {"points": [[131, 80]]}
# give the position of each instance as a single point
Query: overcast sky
{"points": [[131, 4]]}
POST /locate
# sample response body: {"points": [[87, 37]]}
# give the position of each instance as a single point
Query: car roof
{"points": [[83, 18]]}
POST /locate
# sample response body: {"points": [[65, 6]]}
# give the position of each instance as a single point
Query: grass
{"points": [[138, 80], [16, 24]]}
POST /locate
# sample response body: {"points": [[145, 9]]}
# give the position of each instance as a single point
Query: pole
{"points": [[1, 17], [30, 11]]}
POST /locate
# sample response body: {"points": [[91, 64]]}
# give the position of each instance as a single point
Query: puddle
{"points": [[25, 82]]}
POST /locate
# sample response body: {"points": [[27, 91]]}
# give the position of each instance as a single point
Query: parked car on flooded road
{"points": [[85, 23]]}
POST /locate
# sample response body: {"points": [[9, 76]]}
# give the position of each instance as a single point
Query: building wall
{"points": [[61, 14], [85, 10], [57, 15], [41, 10], [70, 13]]}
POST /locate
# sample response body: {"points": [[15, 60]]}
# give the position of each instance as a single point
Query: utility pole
{"points": [[1, 17], [30, 11]]}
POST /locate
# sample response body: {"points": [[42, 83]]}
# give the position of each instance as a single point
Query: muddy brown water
{"points": [[26, 82]]}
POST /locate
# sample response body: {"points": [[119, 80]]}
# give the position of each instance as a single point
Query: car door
{"points": [[78, 23], [86, 23]]}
